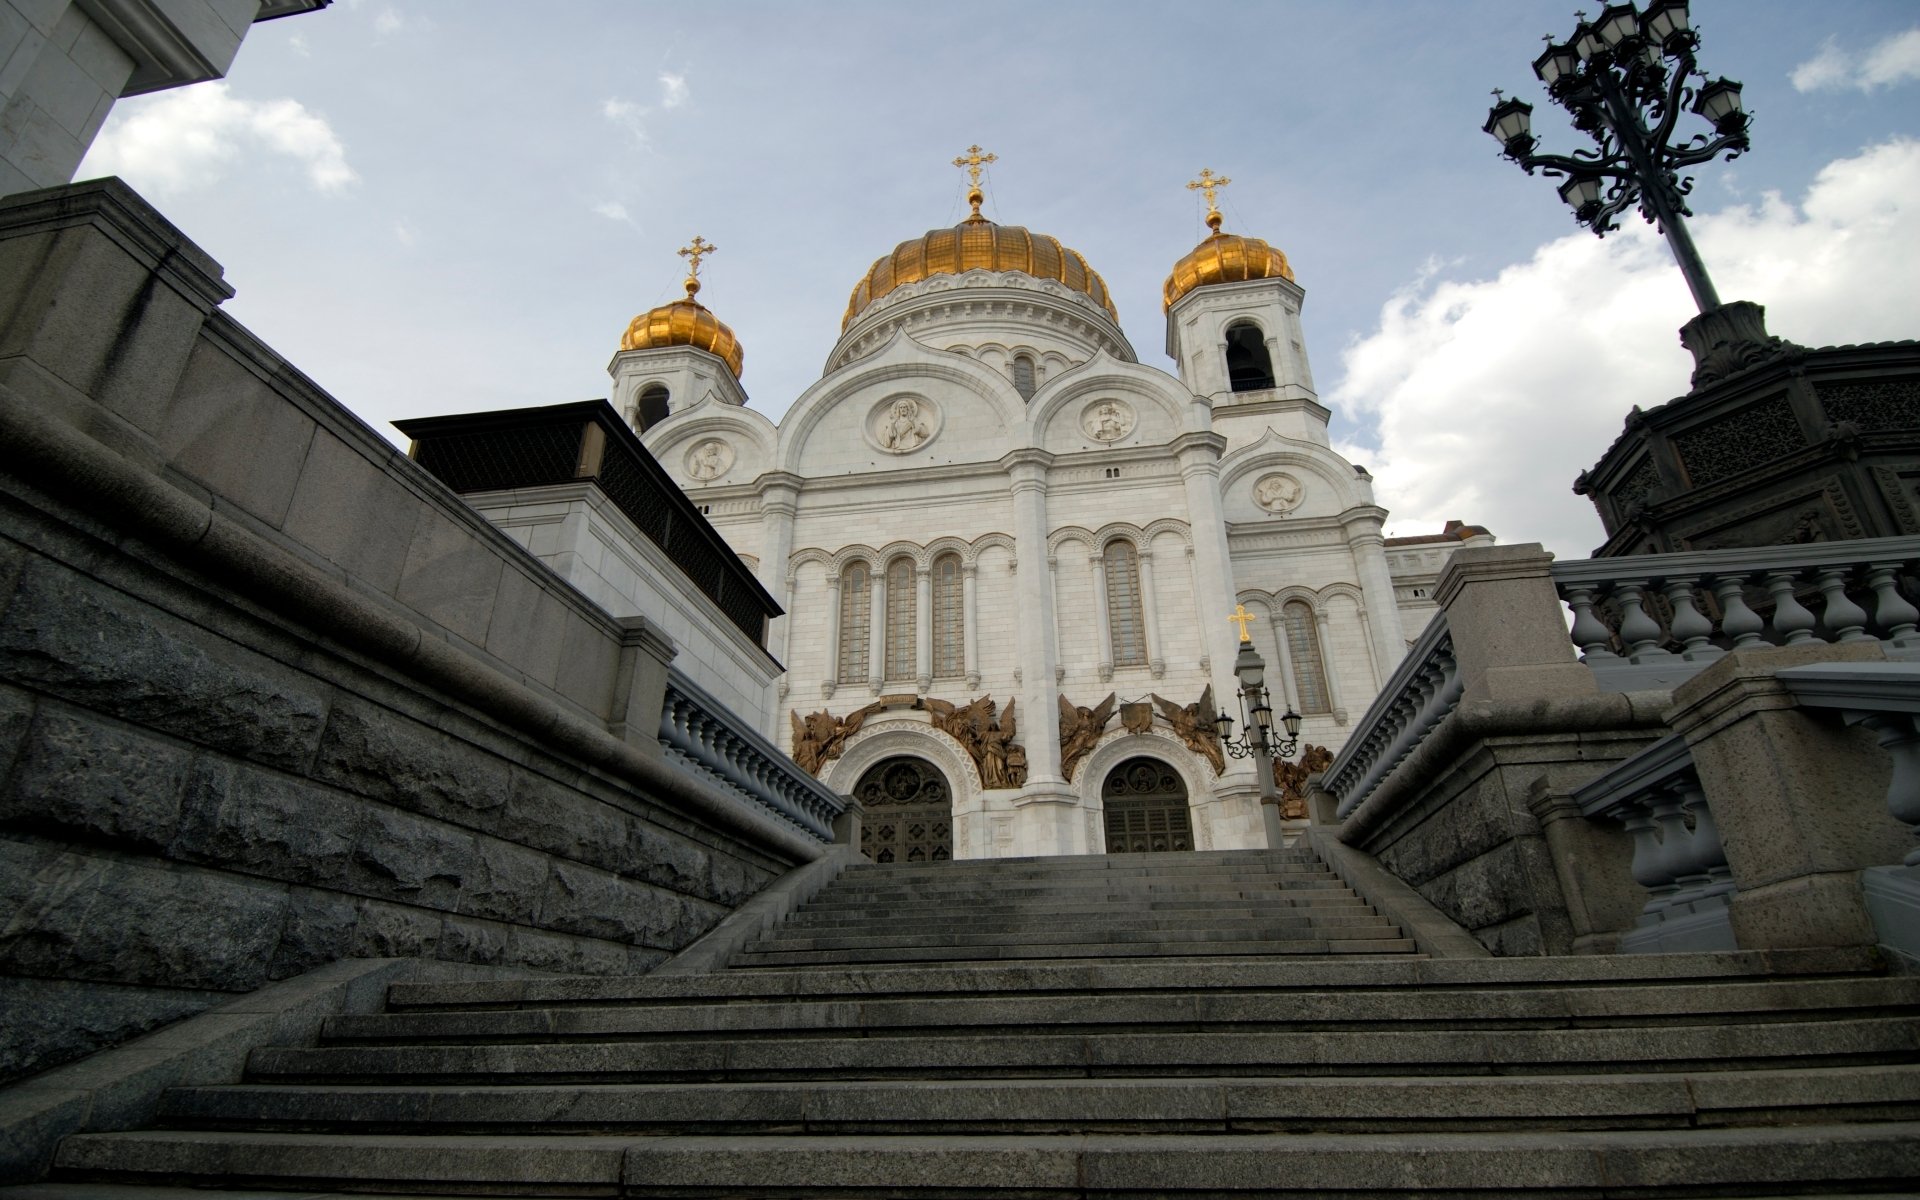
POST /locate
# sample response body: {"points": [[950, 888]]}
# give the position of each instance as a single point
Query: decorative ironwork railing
{"points": [[1654, 620], [1423, 689], [1677, 852], [700, 731]]}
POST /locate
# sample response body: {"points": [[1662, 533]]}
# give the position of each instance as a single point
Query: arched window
{"points": [[949, 617], [1023, 376], [900, 607], [856, 599], [651, 408], [1249, 367], [1125, 626], [1303, 646]]}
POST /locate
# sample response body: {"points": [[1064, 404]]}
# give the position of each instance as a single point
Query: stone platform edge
{"points": [[119, 1089], [1433, 932]]}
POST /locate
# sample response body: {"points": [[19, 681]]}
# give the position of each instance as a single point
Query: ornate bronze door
{"points": [[1146, 808], [909, 812]]}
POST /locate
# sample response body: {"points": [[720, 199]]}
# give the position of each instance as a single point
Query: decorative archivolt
{"points": [[745, 426], [886, 737], [901, 359], [1141, 536], [1105, 375], [922, 556], [1315, 598], [1162, 745]]}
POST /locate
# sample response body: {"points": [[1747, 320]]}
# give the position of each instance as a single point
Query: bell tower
{"points": [[674, 356]]}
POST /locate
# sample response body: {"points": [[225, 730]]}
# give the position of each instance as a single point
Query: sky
{"points": [[449, 207]]}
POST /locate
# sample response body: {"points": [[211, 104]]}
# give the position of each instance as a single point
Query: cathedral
{"points": [[1008, 551]]}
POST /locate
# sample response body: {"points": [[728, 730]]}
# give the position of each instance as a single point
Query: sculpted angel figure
{"points": [[1291, 778], [819, 737], [1193, 724], [996, 740], [1080, 728], [903, 428]]}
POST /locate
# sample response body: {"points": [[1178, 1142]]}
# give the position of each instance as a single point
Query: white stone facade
{"points": [[917, 455]]}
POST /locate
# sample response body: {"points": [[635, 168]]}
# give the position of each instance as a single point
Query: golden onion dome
{"points": [[685, 323], [977, 244], [1223, 258]]}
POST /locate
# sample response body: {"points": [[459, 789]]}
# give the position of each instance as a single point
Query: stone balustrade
{"points": [[1678, 855], [1882, 697], [1656, 620], [1422, 691], [702, 732]]}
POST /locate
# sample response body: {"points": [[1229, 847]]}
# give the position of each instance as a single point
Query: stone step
{"points": [[1645, 1162], [1331, 902], [1157, 861], [1363, 977], [878, 1054], [1193, 1009], [835, 925], [874, 877], [1068, 942], [1191, 1105], [1091, 889], [1061, 948]]}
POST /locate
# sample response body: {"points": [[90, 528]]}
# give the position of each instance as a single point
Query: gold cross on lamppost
{"points": [[972, 161], [693, 254], [1207, 185], [1240, 617]]}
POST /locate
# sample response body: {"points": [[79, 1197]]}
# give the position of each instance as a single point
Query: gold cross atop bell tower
{"points": [[693, 254], [972, 161], [1207, 185]]}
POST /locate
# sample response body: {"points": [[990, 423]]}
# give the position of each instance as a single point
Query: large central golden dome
{"points": [[977, 243]]}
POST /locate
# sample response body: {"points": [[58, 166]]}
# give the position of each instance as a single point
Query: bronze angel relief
{"points": [[1193, 724], [1080, 728]]}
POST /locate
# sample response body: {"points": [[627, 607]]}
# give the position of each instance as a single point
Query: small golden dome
{"points": [[977, 243], [685, 323], [1224, 258]]}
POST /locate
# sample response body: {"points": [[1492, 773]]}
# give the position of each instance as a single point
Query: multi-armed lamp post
{"points": [[1626, 77], [1259, 742]]}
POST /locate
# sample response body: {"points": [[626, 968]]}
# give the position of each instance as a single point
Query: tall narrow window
{"points": [[949, 617], [651, 408], [1303, 646], [1249, 366], [1023, 376], [1125, 626], [900, 605], [856, 599]]}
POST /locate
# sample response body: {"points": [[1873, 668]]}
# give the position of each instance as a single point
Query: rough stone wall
{"points": [[270, 697]]}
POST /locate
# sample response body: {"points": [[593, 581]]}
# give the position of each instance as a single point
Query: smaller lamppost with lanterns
{"points": [[1256, 714], [1626, 78]]}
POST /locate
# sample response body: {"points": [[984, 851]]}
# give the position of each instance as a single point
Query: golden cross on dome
{"points": [[693, 254], [1240, 617], [1207, 185], [972, 161]]}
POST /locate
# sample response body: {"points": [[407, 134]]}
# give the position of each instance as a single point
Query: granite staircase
{"points": [[1195, 1025]]}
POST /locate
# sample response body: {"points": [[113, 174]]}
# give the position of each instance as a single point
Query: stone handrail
{"points": [[1423, 689], [701, 731], [1655, 620], [1677, 852], [1884, 697]]}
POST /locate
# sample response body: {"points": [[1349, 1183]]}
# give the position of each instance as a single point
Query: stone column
{"points": [[1034, 636], [1102, 618], [923, 627], [970, 626], [778, 503], [1800, 799], [1369, 551], [1199, 456], [877, 629], [1283, 655], [1150, 614], [832, 679]]}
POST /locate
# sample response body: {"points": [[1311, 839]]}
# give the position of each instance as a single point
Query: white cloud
{"points": [[673, 90], [612, 210], [625, 113], [1891, 61], [403, 232], [298, 44], [1492, 395], [177, 141]]}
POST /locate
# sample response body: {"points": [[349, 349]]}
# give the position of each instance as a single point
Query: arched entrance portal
{"points": [[1146, 807], [909, 812]]}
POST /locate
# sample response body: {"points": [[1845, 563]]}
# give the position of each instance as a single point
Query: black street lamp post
{"points": [[1259, 742], [1626, 77]]}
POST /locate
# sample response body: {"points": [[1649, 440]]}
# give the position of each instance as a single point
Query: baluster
{"points": [[1792, 623], [1709, 857], [1899, 736], [1648, 868], [1896, 617], [1672, 859], [1690, 626], [1638, 630], [1737, 620], [1589, 632], [1844, 620]]}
